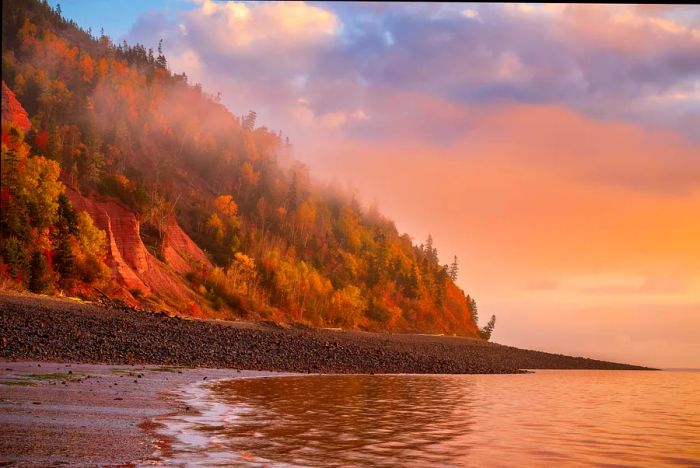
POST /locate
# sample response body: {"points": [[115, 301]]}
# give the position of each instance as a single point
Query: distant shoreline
{"points": [[62, 330]]}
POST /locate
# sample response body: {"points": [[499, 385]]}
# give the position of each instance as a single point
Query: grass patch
{"points": [[54, 377], [122, 371], [21, 383]]}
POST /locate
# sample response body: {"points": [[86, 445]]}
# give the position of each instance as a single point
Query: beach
{"points": [[87, 414], [84, 383], [63, 330]]}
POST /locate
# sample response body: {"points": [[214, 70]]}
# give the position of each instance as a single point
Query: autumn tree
{"points": [[108, 114]]}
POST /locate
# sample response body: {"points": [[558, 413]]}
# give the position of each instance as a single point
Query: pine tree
{"points": [[454, 270], [37, 279], [488, 329], [160, 60], [248, 121], [471, 305], [431, 251], [67, 220], [64, 260], [292, 194]]}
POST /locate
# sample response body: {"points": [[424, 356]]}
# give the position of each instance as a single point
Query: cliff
{"points": [[134, 268], [112, 119]]}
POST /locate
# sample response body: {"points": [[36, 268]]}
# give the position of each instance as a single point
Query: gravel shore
{"points": [[85, 385], [63, 330]]}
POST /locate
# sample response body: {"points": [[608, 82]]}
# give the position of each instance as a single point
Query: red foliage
{"points": [[41, 140], [13, 111], [48, 255]]}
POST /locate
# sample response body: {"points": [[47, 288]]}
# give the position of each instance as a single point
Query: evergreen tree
{"points": [[160, 60], [430, 251], [37, 280], [67, 220], [65, 260], [471, 305], [454, 270], [488, 329], [292, 193], [248, 121]]}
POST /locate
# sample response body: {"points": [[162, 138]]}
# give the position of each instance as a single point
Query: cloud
{"points": [[259, 28], [608, 61], [471, 14], [546, 145]]}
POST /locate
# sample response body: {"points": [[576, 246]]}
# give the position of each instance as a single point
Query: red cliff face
{"points": [[180, 252], [133, 266], [12, 110]]}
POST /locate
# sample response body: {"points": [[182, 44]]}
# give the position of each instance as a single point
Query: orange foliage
{"points": [[87, 67]]}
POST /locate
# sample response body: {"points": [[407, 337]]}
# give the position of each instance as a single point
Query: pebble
{"points": [[95, 334]]}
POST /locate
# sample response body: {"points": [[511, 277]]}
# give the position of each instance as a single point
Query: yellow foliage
{"points": [[38, 184], [346, 306], [244, 262], [215, 224], [92, 239], [226, 205]]}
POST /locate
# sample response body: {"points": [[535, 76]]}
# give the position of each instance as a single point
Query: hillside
{"points": [[121, 178]]}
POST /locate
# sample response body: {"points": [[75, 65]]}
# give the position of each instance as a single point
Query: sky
{"points": [[555, 149]]}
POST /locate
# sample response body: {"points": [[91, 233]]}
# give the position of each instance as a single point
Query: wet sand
{"points": [[54, 414]]}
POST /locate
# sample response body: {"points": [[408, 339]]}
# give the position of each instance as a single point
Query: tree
{"points": [[226, 205], [248, 121], [292, 194], [67, 220], [38, 282], [485, 332], [64, 259], [430, 251], [471, 306], [454, 269], [160, 60]]}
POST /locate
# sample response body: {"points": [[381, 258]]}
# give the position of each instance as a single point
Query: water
{"points": [[566, 418]]}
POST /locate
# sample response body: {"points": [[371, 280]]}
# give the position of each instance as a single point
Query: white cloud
{"points": [[471, 14], [262, 27], [338, 119]]}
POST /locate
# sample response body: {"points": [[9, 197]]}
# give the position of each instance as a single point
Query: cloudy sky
{"points": [[554, 149]]}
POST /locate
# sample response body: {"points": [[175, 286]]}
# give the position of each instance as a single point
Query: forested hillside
{"points": [[121, 178]]}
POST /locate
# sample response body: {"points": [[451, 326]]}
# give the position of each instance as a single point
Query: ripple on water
{"points": [[574, 418]]}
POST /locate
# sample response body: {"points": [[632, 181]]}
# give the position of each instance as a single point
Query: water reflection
{"points": [[351, 420], [569, 418]]}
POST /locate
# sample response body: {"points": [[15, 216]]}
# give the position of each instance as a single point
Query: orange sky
{"points": [[555, 149], [582, 236]]}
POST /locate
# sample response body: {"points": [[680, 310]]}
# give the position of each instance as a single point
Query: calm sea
{"points": [[549, 418]]}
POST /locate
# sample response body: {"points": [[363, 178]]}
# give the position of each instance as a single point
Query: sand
{"points": [[88, 414]]}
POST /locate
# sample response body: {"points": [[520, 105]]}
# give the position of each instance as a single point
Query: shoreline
{"points": [[93, 414], [56, 413], [113, 415], [61, 330]]}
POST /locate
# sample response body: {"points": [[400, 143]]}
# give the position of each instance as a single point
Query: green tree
{"points": [[38, 282], [471, 306], [485, 332], [454, 269]]}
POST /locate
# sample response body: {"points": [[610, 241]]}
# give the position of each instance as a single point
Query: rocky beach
{"points": [[85, 383], [64, 330]]}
